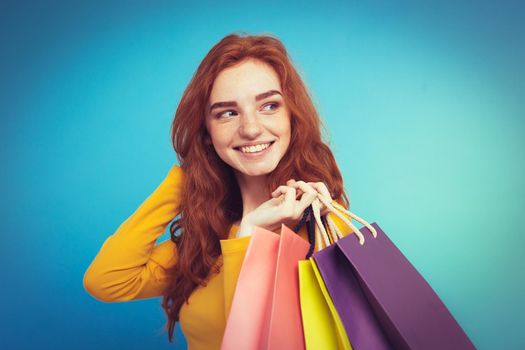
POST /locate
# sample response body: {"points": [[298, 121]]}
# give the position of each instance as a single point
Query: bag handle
{"points": [[316, 230], [320, 229], [337, 208], [310, 229]]}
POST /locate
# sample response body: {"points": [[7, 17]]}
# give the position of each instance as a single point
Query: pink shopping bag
{"points": [[265, 311], [286, 327]]}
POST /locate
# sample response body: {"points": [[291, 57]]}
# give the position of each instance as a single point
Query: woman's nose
{"points": [[250, 126]]}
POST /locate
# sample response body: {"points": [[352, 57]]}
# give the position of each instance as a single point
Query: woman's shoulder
{"points": [[176, 171], [174, 177]]}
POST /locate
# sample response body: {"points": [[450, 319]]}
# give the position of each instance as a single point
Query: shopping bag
{"points": [[381, 297], [265, 311], [286, 330], [322, 325], [355, 313], [248, 321]]}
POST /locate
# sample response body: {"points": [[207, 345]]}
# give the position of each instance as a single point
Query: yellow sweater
{"points": [[130, 266]]}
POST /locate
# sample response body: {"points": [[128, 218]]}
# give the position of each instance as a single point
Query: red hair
{"points": [[210, 196]]}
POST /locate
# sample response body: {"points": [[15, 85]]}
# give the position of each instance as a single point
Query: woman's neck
{"points": [[253, 192]]}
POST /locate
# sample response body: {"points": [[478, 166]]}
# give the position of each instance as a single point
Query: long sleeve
{"points": [[129, 265], [233, 251]]}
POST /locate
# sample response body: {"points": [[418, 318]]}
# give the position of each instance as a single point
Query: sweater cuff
{"points": [[235, 245]]}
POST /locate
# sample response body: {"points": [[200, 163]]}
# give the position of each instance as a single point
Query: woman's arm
{"points": [[129, 266]]}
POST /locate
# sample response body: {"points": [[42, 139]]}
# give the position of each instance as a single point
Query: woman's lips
{"points": [[259, 154]]}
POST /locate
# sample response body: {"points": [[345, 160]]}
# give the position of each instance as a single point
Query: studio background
{"points": [[423, 103]]}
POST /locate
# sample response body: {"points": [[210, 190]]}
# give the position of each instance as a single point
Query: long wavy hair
{"points": [[210, 199]]}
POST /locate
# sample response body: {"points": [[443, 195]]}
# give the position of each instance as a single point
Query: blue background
{"points": [[422, 101]]}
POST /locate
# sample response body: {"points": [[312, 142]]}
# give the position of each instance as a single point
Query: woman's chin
{"points": [[255, 171]]}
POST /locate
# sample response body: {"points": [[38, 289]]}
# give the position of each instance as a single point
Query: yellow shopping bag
{"points": [[322, 326]]}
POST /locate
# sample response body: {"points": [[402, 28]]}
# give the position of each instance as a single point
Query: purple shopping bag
{"points": [[362, 327], [381, 298]]}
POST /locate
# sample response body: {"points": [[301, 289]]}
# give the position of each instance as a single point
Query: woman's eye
{"points": [[223, 114], [274, 104]]}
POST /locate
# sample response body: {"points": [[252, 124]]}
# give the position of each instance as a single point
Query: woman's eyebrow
{"points": [[234, 104], [267, 94]]}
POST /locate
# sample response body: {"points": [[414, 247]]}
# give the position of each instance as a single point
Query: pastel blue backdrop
{"points": [[423, 104]]}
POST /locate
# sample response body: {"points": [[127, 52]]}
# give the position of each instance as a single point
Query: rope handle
{"points": [[338, 209], [318, 235], [321, 234]]}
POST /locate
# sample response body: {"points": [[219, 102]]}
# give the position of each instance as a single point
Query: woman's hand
{"points": [[320, 187], [285, 207]]}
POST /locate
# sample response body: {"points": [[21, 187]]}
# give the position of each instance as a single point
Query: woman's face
{"points": [[247, 119]]}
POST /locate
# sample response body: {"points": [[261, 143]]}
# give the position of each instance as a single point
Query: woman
{"points": [[245, 128]]}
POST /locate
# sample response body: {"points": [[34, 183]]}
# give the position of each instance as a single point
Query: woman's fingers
{"points": [[322, 189], [304, 188], [305, 201], [318, 187], [308, 196], [279, 190], [290, 207], [287, 204], [289, 199], [306, 192], [288, 195]]}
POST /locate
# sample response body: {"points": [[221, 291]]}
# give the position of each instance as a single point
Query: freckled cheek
{"points": [[223, 137], [280, 125], [284, 129]]}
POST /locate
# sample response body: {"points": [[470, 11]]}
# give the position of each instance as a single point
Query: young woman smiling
{"points": [[248, 140]]}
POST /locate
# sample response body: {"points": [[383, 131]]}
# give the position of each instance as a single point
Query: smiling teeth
{"points": [[253, 149]]}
